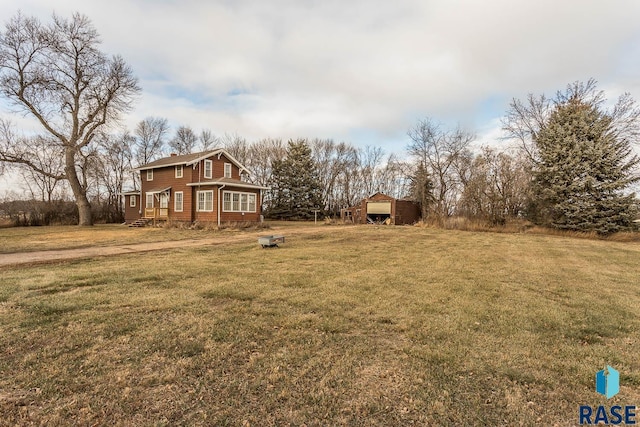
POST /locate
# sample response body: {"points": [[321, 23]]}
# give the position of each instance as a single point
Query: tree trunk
{"points": [[85, 217]]}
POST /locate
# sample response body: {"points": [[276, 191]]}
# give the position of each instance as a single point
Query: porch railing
{"points": [[156, 213]]}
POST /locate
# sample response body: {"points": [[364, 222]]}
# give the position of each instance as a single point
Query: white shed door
{"points": [[379, 208]]}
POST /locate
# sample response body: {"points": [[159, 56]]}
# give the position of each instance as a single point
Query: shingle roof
{"points": [[178, 160]]}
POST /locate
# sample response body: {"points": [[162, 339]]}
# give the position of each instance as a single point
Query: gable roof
{"points": [[379, 196], [190, 159]]}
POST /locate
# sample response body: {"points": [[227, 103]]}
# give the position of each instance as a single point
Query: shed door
{"points": [[379, 208]]}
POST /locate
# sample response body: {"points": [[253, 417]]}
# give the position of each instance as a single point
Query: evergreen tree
{"points": [[583, 169], [421, 189], [295, 187]]}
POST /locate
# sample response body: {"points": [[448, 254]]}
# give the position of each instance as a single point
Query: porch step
{"points": [[142, 222]]}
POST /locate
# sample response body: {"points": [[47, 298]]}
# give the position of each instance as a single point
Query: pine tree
{"points": [[421, 189], [295, 187], [583, 170]]}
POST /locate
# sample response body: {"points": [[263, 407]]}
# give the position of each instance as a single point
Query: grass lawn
{"points": [[29, 239], [344, 326]]}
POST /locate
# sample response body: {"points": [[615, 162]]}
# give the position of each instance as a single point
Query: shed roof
{"points": [[379, 196]]}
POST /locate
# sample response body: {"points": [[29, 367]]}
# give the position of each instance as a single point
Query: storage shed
{"points": [[382, 209]]}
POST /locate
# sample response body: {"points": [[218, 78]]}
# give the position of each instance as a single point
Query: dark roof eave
{"points": [[229, 184]]}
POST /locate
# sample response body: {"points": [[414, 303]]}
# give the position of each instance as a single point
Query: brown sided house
{"points": [[382, 209], [207, 187]]}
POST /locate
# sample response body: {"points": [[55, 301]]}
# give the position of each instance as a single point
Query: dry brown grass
{"points": [[343, 326], [521, 226], [469, 224], [6, 223], [29, 239]]}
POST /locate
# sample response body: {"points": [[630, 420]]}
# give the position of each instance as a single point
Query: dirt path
{"points": [[97, 251]]}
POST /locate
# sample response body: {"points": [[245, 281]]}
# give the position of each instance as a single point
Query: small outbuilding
{"points": [[382, 209]]}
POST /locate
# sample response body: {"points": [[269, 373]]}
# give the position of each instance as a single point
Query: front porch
{"points": [[156, 213], [157, 204]]}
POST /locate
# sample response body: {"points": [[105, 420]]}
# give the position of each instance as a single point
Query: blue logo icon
{"points": [[608, 382]]}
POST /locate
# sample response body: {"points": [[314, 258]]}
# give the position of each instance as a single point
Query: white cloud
{"points": [[363, 71]]}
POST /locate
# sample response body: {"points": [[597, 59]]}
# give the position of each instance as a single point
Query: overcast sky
{"points": [[356, 71]]}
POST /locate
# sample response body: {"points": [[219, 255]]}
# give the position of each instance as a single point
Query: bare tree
{"points": [[344, 171], [260, 158], [114, 158], [184, 141], [394, 178], [206, 140], [237, 146], [150, 139], [370, 160], [496, 186], [56, 74], [524, 120], [332, 160], [35, 154], [438, 150], [47, 171]]}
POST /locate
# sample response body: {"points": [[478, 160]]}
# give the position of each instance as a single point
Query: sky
{"points": [[357, 71]]}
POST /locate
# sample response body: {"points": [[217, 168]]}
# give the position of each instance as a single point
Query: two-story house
{"points": [[206, 187]]}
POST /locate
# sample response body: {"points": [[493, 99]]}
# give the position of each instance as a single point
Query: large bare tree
{"points": [[57, 74], [439, 151]]}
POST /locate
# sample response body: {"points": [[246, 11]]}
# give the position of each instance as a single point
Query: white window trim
{"points": [[175, 201], [181, 169], [205, 201], [230, 168], [204, 173], [240, 193], [132, 201], [149, 174]]}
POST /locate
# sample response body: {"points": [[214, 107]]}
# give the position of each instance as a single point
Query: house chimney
{"points": [[173, 154]]}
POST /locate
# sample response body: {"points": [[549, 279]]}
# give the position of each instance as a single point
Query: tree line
{"points": [[573, 167]]}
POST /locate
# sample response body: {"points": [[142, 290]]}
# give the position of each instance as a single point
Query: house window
{"points": [[208, 169], [177, 201], [243, 202], [178, 171], [132, 201], [205, 201], [149, 174], [238, 202], [235, 206], [149, 201], [227, 170]]}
